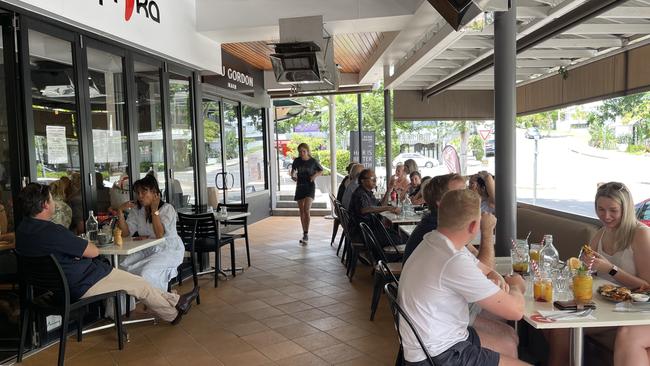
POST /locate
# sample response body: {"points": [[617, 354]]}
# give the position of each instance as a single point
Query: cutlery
{"points": [[577, 314]]}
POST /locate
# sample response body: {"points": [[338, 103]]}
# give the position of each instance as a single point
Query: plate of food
{"points": [[615, 293]]}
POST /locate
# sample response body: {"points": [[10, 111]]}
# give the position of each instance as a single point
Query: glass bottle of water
{"points": [[549, 256], [91, 226]]}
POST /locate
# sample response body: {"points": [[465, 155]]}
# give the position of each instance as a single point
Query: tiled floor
{"points": [[294, 306]]}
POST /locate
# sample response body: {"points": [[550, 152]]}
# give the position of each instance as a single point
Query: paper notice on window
{"points": [[57, 148], [107, 146]]}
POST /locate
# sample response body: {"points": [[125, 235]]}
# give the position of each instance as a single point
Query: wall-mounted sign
{"points": [[367, 148], [238, 76], [147, 8], [163, 27]]}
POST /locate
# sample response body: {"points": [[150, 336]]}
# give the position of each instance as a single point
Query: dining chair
{"points": [[383, 274], [399, 314], [45, 291], [207, 238], [335, 216], [351, 249], [237, 224]]}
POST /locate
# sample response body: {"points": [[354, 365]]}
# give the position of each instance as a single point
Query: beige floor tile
{"points": [[294, 307], [297, 330], [316, 341], [338, 353], [282, 350], [327, 323], [320, 300], [264, 339], [280, 321], [250, 358], [311, 314], [303, 359], [348, 332]]}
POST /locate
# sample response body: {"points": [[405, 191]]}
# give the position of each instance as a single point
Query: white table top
{"points": [[604, 314], [230, 215], [399, 219], [408, 229], [130, 246]]}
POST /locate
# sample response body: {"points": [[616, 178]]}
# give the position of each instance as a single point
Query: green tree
{"points": [[630, 109], [544, 121]]}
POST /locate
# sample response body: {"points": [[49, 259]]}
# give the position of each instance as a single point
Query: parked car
{"points": [[489, 147], [285, 162], [532, 133], [420, 159], [643, 211]]}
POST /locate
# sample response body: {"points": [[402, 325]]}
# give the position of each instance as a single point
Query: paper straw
{"points": [[533, 263], [591, 263]]}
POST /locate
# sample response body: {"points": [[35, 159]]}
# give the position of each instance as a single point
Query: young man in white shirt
{"points": [[442, 278]]}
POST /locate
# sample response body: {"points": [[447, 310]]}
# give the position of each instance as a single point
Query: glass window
{"points": [[56, 125], [182, 182], [212, 140], [6, 203], [149, 119], [254, 162], [110, 144], [231, 142]]}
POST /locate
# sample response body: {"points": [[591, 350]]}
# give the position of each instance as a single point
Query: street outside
{"points": [[568, 172]]}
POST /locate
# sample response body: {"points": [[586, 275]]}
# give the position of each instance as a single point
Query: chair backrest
{"points": [[204, 224], [383, 235], [185, 228], [370, 240], [344, 216], [235, 207], [40, 275], [333, 205], [387, 273], [399, 314]]}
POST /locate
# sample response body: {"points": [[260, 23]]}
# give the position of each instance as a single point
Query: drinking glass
{"points": [[520, 258]]}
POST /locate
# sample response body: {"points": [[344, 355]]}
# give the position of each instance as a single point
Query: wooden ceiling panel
{"points": [[350, 51]]}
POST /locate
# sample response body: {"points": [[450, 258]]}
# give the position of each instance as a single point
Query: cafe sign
{"points": [[238, 76], [147, 8]]}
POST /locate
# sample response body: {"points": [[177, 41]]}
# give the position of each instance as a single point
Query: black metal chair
{"points": [[337, 209], [186, 229], [236, 224], [385, 271], [399, 314], [393, 250], [45, 291], [337, 221], [352, 249], [207, 238]]}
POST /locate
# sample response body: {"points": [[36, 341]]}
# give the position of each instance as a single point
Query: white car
{"points": [[420, 159]]}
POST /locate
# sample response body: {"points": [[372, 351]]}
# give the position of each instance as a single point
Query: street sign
{"points": [[484, 134]]}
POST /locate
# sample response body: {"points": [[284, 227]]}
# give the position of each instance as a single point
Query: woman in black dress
{"points": [[304, 171]]}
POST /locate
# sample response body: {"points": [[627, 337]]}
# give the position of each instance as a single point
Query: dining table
{"points": [[606, 314], [402, 218]]}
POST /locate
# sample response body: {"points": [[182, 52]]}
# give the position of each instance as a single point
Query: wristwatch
{"points": [[157, 213], [613, 271]]}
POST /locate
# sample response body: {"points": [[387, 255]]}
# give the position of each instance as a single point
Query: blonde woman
{"points": [[304, 171], [621, 249], [410, 166]]}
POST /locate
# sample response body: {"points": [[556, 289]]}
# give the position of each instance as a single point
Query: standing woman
{"points": [[151, 217], [304, 171]]}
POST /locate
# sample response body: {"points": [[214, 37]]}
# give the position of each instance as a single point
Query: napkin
{"points": [[632, 307], [547, 313]]}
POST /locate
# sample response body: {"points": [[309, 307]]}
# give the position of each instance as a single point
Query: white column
{"points": [[332, 110]]}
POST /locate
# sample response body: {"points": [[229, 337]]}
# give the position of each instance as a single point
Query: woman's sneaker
{"points": [[304, 240]]}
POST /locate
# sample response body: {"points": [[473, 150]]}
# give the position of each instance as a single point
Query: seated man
{"points": [[439, 281], [363, 202], [36, 236]]}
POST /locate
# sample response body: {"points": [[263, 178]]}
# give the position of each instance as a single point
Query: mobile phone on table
{"points": [[571, 305]]}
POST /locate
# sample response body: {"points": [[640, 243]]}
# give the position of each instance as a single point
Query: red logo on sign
{"points": [[130, 5], [147, 7]]}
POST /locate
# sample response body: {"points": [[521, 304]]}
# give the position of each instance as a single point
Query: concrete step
{"points": [[294, 212], [294, 204]]}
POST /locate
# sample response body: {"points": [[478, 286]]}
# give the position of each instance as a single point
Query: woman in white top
{"points": [[150, 217], [622, 248]]}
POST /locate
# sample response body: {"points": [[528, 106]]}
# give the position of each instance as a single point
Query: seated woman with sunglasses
{"points": [[620, 252], [151, 217]]}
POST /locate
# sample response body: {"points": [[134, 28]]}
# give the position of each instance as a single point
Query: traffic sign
{"points": [[484, 134]]}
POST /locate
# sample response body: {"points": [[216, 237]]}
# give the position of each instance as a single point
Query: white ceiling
{"points": [[417, 44]]}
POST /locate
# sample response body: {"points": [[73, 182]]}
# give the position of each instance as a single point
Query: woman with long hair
{"points": [[150, 217], [621, 250], [304, 171]]}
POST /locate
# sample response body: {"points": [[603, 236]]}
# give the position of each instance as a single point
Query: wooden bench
{"points": [[569, 231]]}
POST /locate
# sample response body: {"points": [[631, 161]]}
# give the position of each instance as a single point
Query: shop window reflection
{"points": [[182, 182], [254, 163]]}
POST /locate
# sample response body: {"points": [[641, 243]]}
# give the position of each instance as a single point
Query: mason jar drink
{"points": [[583, 285]]}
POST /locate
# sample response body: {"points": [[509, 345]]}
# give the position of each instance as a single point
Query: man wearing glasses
{"points": [[37, 236], [363, 202]]}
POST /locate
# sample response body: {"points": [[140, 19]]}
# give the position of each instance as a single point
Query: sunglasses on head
{"points": [[612, 185]]}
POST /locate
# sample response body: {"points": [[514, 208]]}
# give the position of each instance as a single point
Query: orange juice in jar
{"points": [[543, 290], [583, 285], [534, 255]]}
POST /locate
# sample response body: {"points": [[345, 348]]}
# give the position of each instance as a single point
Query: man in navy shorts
{"points": [[438, 282]]}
